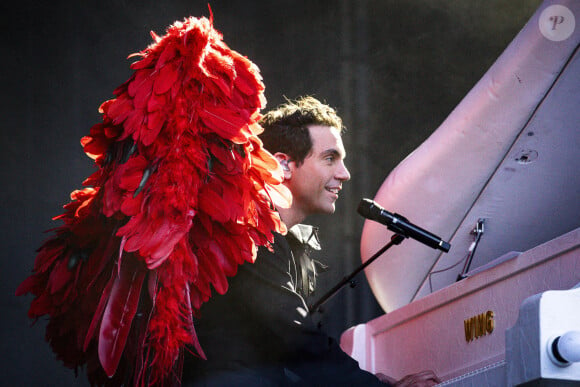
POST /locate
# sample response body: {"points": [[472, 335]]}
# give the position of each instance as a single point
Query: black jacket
{"points": [[260, 332]]}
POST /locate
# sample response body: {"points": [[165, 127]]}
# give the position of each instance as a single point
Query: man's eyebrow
{"points": [[332, 152]]}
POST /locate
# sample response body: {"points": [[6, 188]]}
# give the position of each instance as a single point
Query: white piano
{"points": [[499, 180]]}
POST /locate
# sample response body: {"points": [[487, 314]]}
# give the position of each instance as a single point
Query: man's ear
{"points": [[284, 160]]}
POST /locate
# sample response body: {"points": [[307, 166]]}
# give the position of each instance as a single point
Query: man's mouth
{"points": [[334, 190]]}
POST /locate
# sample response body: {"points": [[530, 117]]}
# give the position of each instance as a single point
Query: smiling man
{"points": [[260, 333], [305, 137]]}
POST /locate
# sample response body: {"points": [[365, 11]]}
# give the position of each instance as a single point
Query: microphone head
{"points": [[367, 209], [444, 246]]}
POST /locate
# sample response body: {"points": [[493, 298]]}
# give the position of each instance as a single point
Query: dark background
{"points": [[393, 69]]}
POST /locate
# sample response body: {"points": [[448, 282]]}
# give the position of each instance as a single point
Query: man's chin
{"points": [[330, 210], [327, 209]]}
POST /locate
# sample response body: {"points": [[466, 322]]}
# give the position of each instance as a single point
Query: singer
{"points": [[260, 331]]}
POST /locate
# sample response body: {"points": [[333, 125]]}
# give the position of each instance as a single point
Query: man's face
{"points": [[316, 183]]}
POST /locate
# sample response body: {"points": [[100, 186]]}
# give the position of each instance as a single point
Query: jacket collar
{"points": [[306, 234]]}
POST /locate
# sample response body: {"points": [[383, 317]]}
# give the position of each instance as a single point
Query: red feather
{"points": [[189, 316], [119, 313], [96, 321]]}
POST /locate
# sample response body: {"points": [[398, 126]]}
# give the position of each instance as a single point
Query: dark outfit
{"points": [[260, 333]]}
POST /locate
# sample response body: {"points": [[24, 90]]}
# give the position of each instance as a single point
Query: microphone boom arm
{"points": [[395, 240]]}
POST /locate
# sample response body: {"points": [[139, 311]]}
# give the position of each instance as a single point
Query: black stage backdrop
{"points": [[393, 69]]}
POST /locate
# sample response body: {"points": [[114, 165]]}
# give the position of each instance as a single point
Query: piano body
{"points": [[499, 180]]}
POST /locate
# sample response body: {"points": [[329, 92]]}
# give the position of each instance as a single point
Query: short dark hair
{"points": [[286, 127]]}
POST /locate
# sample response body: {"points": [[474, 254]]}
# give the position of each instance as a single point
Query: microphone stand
{"points": [[396, 239]]}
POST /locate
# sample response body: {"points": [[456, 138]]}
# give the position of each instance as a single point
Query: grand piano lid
{"points": [[509, 153]]}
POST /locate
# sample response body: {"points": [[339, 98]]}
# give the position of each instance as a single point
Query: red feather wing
{"points": [[184, 192]]}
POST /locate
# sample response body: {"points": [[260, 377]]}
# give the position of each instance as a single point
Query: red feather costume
{"points": [[181, 197]]}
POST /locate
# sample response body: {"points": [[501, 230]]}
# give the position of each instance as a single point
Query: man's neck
{"points": [[290, 216]]}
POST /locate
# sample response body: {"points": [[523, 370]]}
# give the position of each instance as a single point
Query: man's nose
{"points": [[342, 174]]}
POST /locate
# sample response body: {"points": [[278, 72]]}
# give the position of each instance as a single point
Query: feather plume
{"points": [[183, 193]]}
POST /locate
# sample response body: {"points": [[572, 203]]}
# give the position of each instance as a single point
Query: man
{"points": [[260, 332], [305, 138]]}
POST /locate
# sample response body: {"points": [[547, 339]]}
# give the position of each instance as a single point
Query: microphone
{"points": [[400, 225]]}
